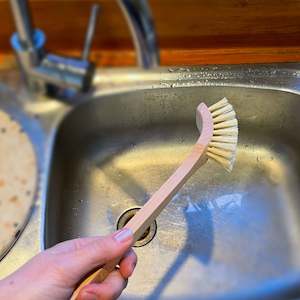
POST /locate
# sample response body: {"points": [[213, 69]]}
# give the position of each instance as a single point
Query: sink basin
{"points": [[222, 233]]}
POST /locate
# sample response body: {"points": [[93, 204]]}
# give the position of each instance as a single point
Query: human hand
{"points": [[54, 273]]}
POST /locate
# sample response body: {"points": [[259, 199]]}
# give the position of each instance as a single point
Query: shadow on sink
{"points": [[222, 232], [200, 231]]}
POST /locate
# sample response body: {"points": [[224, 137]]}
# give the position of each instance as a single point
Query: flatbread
{"points": [[18, 177]]}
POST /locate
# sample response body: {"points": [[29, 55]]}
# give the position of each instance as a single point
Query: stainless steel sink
{"points": [[221, 232], [223, 236]]}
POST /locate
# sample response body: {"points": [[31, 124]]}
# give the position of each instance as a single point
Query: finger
{"points": [[128, 264], [71, 245], [95, 253], [110, 289]]}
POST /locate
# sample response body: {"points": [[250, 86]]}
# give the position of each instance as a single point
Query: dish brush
{"points": [[218, 139]]}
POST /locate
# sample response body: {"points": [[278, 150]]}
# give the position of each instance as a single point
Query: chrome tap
{"points": [[63, 76], [139, 18]]}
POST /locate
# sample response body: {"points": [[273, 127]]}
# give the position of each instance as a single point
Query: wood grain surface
{"points": [[189, 32]]}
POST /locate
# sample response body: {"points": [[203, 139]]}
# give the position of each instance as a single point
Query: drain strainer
{"points": [[149, 234]]}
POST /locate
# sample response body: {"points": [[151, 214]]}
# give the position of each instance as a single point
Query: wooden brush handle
{"points": [[149, 212], [96, 277]]}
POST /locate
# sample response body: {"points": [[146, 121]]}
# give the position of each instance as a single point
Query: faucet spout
{"points": [[139, 19]]}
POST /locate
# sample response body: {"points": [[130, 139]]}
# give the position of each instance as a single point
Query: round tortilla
{"points": [[18, 177]]}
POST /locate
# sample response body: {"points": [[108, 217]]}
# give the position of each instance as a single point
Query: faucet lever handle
{"points": [[90, 31]]}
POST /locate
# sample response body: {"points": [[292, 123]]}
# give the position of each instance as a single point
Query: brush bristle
{"points": [[223, 145]]}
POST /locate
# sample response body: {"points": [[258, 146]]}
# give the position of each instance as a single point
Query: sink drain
{"points": [[148, 235]]}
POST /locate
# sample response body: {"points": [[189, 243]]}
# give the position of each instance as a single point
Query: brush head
{"points": [[223, 144]]}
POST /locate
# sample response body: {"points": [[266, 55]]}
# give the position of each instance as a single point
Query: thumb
{"points": [[87, 256]]}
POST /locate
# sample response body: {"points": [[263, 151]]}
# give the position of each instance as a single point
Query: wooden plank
{"points": [[230, 55], [189, 32], [201, 57], [180, 24], [185, 57]]}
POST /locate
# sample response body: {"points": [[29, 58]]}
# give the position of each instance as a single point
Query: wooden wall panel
{"points": [[189, 31]]}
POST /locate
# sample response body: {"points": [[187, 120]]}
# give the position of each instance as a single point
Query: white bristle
{"points": [[224, 117], [226, 124], [220, 152], [233, 131], [222, 110], [227, 164], [218, 105], [226, 146], [225, 139], [223, 144]]}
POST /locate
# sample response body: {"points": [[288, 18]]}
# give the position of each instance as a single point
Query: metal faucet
{"points": [[139, 18], [63, 76]]}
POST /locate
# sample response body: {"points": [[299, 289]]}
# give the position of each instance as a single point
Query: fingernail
{"points": [[123, 235], [89, 296]]}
